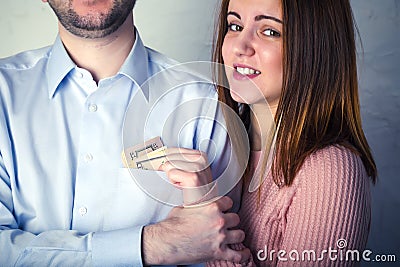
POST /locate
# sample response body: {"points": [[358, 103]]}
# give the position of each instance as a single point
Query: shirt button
{"points": [[82, 211], [88, 157], [92, 108]]}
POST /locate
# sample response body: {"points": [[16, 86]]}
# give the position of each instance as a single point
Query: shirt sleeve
{"points": [[68, 248], [330, 212], [119, 247], [224, 161]]}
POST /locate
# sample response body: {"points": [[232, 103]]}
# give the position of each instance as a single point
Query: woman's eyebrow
{"points": [[233, 13], [261, 17], [256, 18]]}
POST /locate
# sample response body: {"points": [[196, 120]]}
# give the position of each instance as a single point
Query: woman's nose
{"points": [[243, 45]]}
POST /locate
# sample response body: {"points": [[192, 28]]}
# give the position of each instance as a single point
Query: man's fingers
{"points": [[224, 203], [236, 256], [234, 236], [232, 220]]}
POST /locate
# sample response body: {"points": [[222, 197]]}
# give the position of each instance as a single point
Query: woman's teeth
{"points": [[247, 71]]}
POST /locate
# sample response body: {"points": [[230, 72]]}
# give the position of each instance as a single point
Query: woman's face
{"points": [[252, 50]]}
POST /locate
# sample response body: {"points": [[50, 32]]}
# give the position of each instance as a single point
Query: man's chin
{"points": [[92, 34], [91, 7]]}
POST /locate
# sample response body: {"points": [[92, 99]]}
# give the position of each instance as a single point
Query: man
{"points": [[65, 198]]}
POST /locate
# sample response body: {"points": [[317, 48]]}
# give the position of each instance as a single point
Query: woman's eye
{"points": [[271, 32], [234, 27]]}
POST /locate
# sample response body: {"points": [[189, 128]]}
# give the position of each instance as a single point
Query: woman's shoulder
{"points": [[333, 165], [333, 156]]}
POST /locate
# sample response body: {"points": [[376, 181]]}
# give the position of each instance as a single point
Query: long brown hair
{"points": [[319, 103]]}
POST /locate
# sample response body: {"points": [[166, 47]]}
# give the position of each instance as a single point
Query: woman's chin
{"points": [[237, 98]]}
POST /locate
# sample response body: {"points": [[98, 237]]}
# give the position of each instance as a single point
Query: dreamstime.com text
{"points": [[340, 253]]}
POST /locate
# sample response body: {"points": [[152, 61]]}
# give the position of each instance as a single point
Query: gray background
{"points": [[183, 30]]}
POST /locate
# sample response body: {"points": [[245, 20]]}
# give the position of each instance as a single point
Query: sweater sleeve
{"points": [[330, 212]]}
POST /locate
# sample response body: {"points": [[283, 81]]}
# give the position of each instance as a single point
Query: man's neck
{"points": [[103, 57]]}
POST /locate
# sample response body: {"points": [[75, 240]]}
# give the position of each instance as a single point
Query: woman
{"points": [[313, 205]]}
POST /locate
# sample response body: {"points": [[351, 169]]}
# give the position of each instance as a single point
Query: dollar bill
{"points": [[132, 154], [152, 160]]}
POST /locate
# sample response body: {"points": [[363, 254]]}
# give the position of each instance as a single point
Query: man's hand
{"points": [[194, 235]]}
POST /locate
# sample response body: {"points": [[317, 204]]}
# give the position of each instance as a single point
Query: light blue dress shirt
{"points": [[65, 197]]}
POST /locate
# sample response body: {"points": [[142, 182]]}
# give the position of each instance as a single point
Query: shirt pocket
{"points": [[133, 202]]}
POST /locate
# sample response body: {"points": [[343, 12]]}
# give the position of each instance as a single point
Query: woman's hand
{"points": [[189, 170]]}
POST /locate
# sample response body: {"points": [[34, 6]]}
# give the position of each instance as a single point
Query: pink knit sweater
{"points": [[326, 208]]}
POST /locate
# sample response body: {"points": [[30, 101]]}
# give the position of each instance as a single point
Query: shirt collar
{"points": [[58, 66], [135, 66]]}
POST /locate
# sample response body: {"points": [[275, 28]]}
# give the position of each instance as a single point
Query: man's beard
{"points": [[92, 25]]}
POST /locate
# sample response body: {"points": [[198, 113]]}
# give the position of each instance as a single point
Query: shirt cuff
{"points": [[118, 247]]}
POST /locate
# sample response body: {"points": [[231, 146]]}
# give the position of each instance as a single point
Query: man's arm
{"points": [[22, 248]]}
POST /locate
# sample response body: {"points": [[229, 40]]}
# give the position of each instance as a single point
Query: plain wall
{"points": [[183, 30], [379, 70]]}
